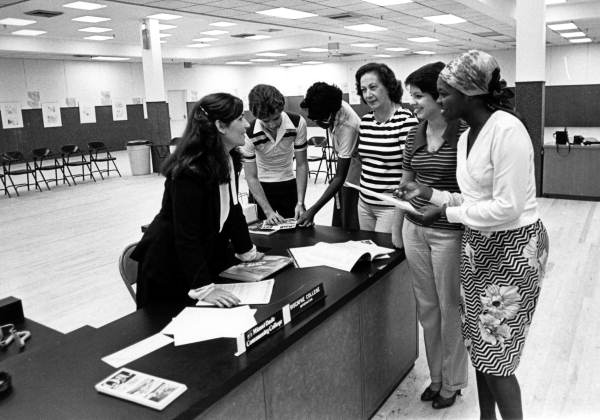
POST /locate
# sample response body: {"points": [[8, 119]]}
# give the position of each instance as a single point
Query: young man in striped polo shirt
{"points": [[272, 142]]}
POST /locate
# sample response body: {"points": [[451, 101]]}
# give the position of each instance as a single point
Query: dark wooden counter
{"points": [[571, 172], [341, 359]]}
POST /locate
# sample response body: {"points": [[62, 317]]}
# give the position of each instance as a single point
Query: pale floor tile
{"points": [[59, 251]]}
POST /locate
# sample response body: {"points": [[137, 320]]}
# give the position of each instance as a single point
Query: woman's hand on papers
{"points": [[273, 218], [299, 210], [221, 298], [409, 190], [306, 219]]}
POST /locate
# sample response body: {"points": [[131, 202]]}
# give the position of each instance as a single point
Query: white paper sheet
{"points": [[251, 293], [137, 350], [404, 205]]}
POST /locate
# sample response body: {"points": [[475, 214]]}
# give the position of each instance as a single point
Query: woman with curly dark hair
{"points": [[381, 142], [200, 228]]}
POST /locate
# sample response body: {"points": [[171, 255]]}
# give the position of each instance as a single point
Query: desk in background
{"points": [[341, 359], [571, 172]]}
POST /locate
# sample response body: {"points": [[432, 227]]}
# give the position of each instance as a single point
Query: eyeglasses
{"points": [[8, 334]]}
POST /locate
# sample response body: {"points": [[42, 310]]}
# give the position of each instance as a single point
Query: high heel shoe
{"points": [[429, 394], [441, 402]]}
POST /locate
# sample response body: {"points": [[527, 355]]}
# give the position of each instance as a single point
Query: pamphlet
{"points": [[256, 270], [402, 204], [264, 228], [341, 255], [141, 388], [250, 293]]}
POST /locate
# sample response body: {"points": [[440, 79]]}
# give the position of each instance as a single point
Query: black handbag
{"points": [[561, 137]]}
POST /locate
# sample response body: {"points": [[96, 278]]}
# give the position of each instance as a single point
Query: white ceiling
{"points": [[489, 26]]}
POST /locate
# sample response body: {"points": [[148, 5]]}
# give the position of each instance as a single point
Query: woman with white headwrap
{"points": [[505, 244]]}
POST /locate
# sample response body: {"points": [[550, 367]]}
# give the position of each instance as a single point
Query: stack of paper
{"points": [[256, 293], [201, 324]]}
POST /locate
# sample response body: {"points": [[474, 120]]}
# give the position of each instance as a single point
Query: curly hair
{"points": [[322, 100], [425, 78], [265, 100], [387, 78], [200, 149]]}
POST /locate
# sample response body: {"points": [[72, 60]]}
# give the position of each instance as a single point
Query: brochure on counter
{"points": [[264, 228], [402, 204]]}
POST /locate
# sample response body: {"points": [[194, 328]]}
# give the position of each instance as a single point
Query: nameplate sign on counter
{"points": [[260, 332], [304, 302]]}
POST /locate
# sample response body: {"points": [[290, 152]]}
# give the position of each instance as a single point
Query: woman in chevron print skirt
{"points": [[505, 245]]}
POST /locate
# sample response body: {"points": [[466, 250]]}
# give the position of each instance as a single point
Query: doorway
{"points": [[177, 111]]}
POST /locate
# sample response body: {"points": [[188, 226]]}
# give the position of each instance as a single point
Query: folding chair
{"points": [[45, 160], [128, 269], [15, 164], [73, 157], [100, 153], [320, 142]]}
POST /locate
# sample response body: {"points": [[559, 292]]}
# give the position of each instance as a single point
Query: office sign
{"points": [[304, 302], [260, 332]]}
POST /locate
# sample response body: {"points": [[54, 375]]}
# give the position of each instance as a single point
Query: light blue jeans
{"points": [[433, 257], [375, 218]]}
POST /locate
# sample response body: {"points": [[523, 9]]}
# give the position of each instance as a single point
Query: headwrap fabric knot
{"points": [[472, 73]]}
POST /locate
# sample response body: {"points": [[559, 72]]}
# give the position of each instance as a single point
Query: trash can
{"points": [[160, 152], [139, 156]]}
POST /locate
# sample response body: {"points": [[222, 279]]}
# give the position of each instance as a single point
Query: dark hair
{"points": [[498, 96], [322, 100], [265, 100], [386, 77], [200, 149], [425, 78]]}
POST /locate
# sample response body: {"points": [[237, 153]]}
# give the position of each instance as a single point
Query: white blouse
{"points": [[497, 179]]}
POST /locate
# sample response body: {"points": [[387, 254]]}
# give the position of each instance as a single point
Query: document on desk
{"points": [[137, 350], [340, 255], [253, 293], [195, 324], [402, 204]]}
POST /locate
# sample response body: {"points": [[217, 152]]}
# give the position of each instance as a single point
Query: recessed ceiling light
{"points": [[364, 45], [84, 5], [98, 37], [198, 45], [163, 41], [271, 54], [222, 24], [163, 26], [548, 2], [263, 60], [425, 52], [382, 55], [314, 49], [285, 13], [16, 22], [388, 2], [108, 58], [215, 32], [164, 16], [204, 39], [94, 29], [577, 34], [569, 26], [28, 32], [445, 19], [423, 39], [240, 63], [289, 64], [257, 37], [580, 40], [396, 49], [312, 62], [366, 27], [91, 19], [164, 35]]}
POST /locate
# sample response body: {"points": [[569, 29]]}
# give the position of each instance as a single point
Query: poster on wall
{"points": [[33, 99], [87, 113], [193, 96], [11, 115], [71, 102], [119, 110], [105, 97], [51, 114]]}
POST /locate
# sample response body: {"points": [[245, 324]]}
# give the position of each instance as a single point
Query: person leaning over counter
{"points": [[273, 140], [505, 244], [200, 224], [327, 109]]}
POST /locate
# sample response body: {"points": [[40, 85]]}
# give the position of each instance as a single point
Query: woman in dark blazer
{"points": [[200, 228]]}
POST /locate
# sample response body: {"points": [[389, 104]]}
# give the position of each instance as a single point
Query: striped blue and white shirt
{"points": [[380, 147]]}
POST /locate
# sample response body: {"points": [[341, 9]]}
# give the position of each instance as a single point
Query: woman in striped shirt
{"points": [[381, 142], [433, 252]]}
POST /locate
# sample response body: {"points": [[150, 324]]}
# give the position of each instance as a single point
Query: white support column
{"points": [[531, 40], [154, 83]]}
